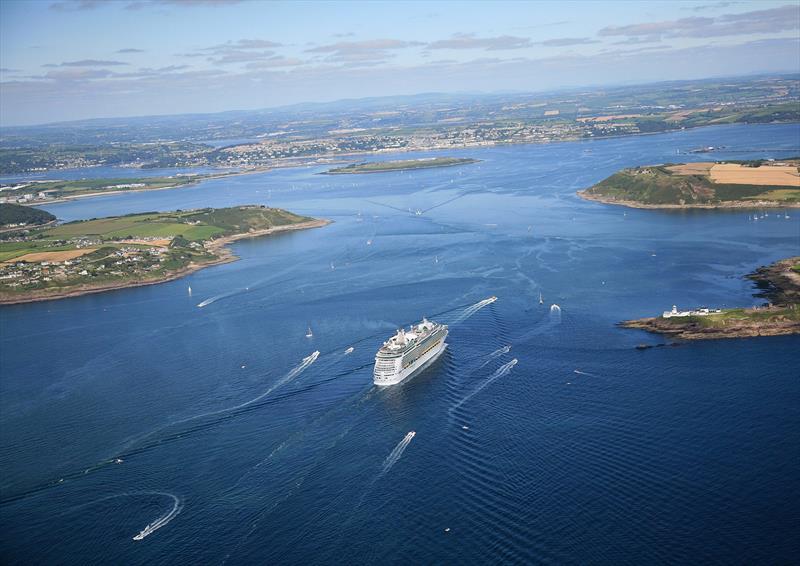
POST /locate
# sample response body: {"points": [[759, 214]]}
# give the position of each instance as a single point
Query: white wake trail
{"points": [[497, 353], [307, 361], [579, 372], [501, 371], [395, 454], [163, 520], [293, 373], [472, 309]]}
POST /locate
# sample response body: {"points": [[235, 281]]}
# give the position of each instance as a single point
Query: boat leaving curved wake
{"points": [[497, 353], [472, 309], [163, 520], [395, 454], [501, 371]]}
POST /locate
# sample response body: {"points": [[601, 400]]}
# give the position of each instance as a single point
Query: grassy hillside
{"points": [[659, 185], [18, 214], [123, 250]]}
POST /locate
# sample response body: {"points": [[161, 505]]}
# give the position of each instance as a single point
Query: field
{"points": [[701, 168], [54, 255], [779, 175]]}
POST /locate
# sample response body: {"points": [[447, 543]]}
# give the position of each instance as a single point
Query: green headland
{"points": [[731, 184], [95, 255]]}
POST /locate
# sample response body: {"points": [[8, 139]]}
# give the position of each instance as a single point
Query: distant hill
{"points": [[18, 214], [733, 184]]}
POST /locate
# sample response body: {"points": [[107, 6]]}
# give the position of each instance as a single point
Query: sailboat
{"points": [[309, 334], [541, 299], [190, 290]]}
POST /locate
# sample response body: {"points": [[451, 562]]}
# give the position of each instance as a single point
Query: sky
{"points": [[74, 59]]}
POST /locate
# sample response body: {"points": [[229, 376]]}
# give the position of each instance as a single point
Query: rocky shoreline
{"points": [[733, 204], [780, 284], [778, 325], [217, 246]]}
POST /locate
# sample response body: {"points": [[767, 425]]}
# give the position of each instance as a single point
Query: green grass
{"points": [[738, 315], [655, 185]]}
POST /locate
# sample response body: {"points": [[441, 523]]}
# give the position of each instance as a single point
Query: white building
{"points": [[698, 312]]}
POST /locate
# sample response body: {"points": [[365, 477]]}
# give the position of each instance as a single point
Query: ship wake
{"points": [[500, 372], [497, 353], [472, 309], [395, 454], [161, 521]]}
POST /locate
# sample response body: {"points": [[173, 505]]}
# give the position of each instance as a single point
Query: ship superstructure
{"points": [[409, 351]]}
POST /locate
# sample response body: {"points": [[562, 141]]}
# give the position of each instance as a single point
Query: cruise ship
{"points": [[409, 351]]}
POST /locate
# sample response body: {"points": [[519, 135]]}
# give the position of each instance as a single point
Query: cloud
{"points": [[244, 44], [236, 56], [566, 41], [87, 63], [470, 41], [362, 52], [75, 74], [130, 50], [712, 6], [636, 40], [74, 5], [275, 61], [7, 70], [138, 5], [80, 5], [771, 20], [32, 101]]}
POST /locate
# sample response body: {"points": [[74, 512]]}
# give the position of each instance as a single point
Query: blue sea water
{"points": [[586, 450]]}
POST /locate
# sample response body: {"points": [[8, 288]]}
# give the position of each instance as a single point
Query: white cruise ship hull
{"points": [[394, 374]]}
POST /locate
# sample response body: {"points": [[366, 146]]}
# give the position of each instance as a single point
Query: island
{"points": [[399, 165], [779, 283], [90, 256], [730, 184]]}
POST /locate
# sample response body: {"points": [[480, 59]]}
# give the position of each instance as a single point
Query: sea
{"points": [[139, 427]]}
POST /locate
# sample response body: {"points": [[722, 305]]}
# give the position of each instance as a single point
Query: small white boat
{"points": [[541, 299], [309, 334], [369, 242], [190, 290], [349, 350]]}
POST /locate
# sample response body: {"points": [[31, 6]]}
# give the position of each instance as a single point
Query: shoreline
{"points": [[734, 204], [691, 330], [216, 246], [342, 171], [121, 192], [336, 157], [777, 282]]}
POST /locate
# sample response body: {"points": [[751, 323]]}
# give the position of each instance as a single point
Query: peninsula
{"points": [[399, 165], [731, 184], [779, 283], [37, 192], [91, 256]]}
